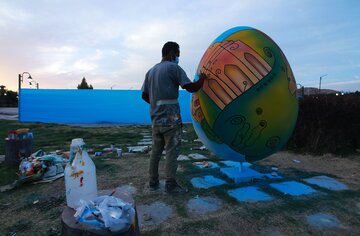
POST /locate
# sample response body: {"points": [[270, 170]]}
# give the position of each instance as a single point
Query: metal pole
{"points": [[320, 82], [19, 88], [303, 91], [21, 78]]}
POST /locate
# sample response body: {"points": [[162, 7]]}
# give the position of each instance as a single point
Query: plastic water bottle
{"points": [[80, 176]]}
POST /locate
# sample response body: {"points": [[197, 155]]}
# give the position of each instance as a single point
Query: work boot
{"points": [[174, 188], [154, 185]]}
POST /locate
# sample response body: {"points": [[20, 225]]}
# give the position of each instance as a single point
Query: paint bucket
{"points": [[80, 176]]}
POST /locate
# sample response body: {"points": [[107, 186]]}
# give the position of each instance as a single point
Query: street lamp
{"points": [[21, 78], [320, 81], [299, 90], [31, 82], [29, 78]]}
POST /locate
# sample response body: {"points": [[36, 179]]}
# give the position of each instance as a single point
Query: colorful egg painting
{"points": [[247, 108]]}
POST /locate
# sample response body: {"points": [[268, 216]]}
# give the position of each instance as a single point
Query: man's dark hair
{"points": [[170, 46]]}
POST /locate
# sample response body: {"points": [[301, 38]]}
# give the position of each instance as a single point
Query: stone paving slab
{"points": [[153, 214], [249, 194], [206, 182], [203, 205], [293, 188], [324, 220], [326, 182]]}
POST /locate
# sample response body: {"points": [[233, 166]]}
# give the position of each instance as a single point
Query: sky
{"points": [[114, 43]]}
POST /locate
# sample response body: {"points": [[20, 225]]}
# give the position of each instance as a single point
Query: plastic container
{"points": [[12, 135], [76, 143], [16, 149], [119, 152], [80, 176]]}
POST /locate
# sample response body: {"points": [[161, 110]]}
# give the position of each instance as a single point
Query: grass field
{"points": [[285, 215]]}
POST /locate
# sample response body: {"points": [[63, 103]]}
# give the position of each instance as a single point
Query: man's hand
{"points": [[196, 86], [202, 76]]}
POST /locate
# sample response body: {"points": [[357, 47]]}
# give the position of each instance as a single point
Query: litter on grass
{"points": [[41, 167], [202, 148], [145, 141], [197, 156], [38, 168], [206, 164], [143, 149], [183, 158], [106, 212]]}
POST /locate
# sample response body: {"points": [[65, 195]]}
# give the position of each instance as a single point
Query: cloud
{"points": [[61, 49], [89, 63], [116, 42], [349, 82], [11, 17]]}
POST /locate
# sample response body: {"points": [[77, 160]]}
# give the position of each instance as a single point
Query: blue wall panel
{"points": [[90, 106]]}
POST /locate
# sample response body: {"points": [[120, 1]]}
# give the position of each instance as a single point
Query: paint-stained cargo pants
{"points": [[168, 138]]}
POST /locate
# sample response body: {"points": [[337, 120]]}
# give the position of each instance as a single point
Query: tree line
{"points": [[9, 98]]}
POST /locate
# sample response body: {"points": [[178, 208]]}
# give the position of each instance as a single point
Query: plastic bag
{"points": [[106, 212], [26, 168]]}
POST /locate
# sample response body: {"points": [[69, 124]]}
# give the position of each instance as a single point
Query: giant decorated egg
{"points": [[247, 108]]}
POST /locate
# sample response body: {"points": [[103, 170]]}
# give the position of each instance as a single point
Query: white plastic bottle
{"points": [[80, 176], [75, 143]]}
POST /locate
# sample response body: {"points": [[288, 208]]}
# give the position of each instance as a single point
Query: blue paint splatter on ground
{"points": [[326, 182], [323, 220], [249, 194], [245, 174], [236, 164], [273, 176], [293, 188], [239, 176], [206, 182]]}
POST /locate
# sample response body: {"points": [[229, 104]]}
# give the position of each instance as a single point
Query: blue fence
{"points": [[69, 106]]}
